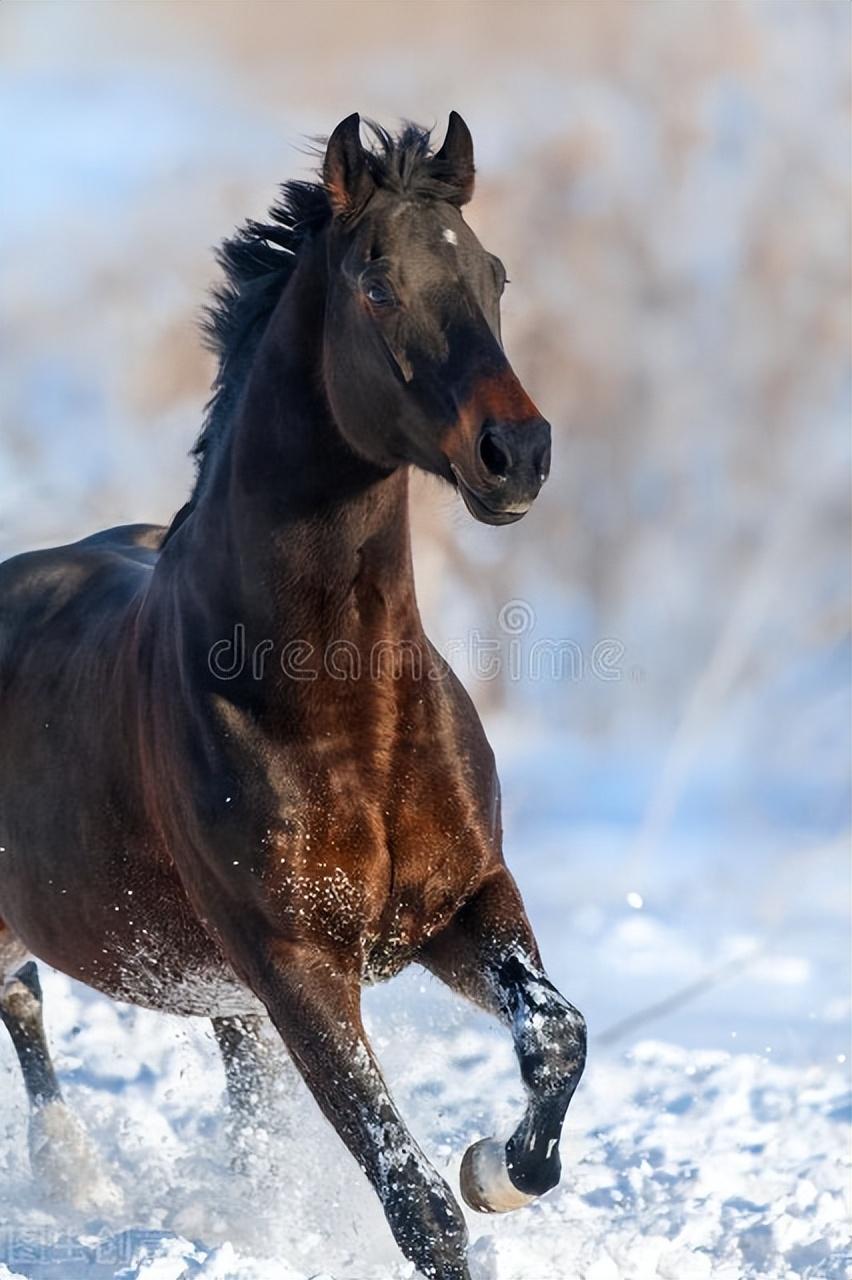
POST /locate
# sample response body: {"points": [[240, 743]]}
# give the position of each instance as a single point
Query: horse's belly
{"points": [[183, 975], [123, 926], [168, 963], [199, 988]]}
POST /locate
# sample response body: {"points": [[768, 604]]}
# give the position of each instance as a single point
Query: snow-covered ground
{"points": [[680, 1164], [710, 1139], [685, 857]]}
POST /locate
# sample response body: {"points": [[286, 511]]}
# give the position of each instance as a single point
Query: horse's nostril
{"points": [[495, 453]]}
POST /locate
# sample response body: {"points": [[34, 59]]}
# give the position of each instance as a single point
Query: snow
{"points": [[710, 1139], [678, 1163], [683, 849]]}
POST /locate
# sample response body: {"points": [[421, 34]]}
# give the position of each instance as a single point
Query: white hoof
{"points": [[65, 1163], [485, 1182]]}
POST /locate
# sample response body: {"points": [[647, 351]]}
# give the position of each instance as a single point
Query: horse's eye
{"points": [[379, 294]]}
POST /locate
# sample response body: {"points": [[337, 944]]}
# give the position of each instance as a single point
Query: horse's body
{"points": [[266, 834], [113, 911], [347, 809]]}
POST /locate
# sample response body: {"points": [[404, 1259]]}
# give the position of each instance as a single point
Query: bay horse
{"points": [[244, 844]]}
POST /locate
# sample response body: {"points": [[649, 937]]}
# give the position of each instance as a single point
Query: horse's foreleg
{"points": [[489, 954], [314, 1000]]}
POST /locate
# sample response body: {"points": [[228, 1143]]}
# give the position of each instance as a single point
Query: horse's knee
{"points": [[20, 999], [20, 1011], [12, 952]]}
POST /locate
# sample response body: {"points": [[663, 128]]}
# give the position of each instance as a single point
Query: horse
{"points": [[252, 842]]}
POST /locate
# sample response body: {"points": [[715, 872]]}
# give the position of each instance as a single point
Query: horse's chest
{"points": [[383, 865], [370, 831]]}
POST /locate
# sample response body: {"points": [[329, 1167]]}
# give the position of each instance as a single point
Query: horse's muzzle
{"points": [[512, 463]]}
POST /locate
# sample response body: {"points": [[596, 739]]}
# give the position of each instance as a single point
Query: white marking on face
{"points": [[551, 1144], [450, 236]]}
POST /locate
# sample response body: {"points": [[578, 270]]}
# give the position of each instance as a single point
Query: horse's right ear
{"points": [[453, 164], [345, 172]]}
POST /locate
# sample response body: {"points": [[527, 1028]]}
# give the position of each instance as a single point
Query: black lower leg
{"points": [[246, 1059], [489, 954], [550, 1041], [21, 1012]]}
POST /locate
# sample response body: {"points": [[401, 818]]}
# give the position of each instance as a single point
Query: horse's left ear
{"points": [[345, 172], [453, 164]]}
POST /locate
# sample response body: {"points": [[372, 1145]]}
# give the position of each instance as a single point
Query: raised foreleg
{"points": [[489, 955]]}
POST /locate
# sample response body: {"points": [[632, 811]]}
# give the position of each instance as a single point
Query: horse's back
{"points": [[66, 617], [126, 538], [23, 577], [82, 583]]}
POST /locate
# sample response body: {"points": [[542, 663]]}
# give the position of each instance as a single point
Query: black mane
{"points": [[259, 258]]}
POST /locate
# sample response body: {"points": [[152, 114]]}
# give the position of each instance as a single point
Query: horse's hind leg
{"points": [[489, 954], [61, 1155], [21, 1012]]}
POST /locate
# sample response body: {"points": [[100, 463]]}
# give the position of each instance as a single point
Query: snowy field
{"points": [[681, 1165], [710, 1139], [670, 186]]}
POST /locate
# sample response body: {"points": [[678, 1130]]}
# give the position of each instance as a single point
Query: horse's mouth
{"points": [[482, 510]]}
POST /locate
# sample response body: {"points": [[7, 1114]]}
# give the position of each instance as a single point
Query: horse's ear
{"points": [[453, 164], [345, 172]]}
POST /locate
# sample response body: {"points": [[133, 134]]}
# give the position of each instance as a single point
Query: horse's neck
{"points": [[291, 517]]}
